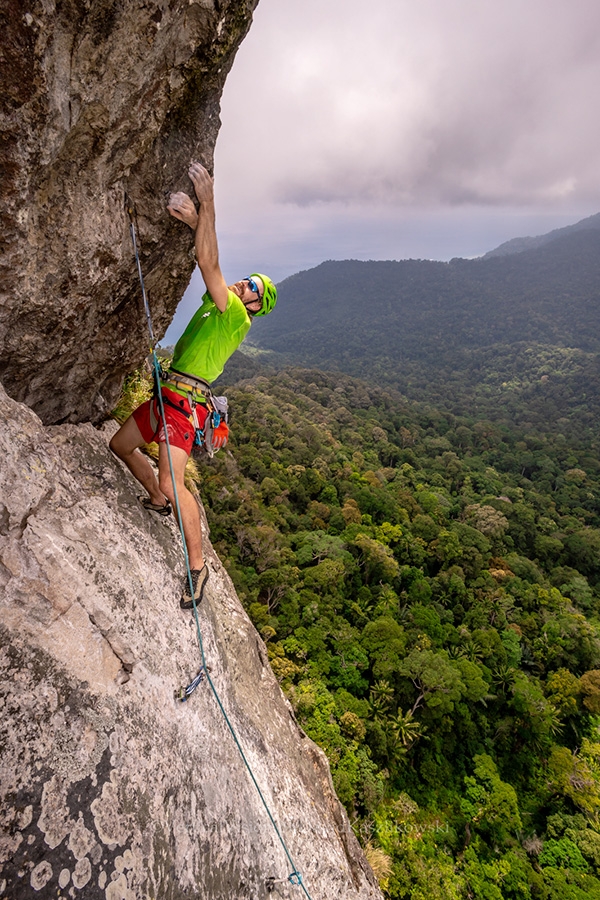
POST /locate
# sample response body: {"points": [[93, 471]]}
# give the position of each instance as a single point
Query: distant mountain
{"points": [[519, 331], [518, 245]]}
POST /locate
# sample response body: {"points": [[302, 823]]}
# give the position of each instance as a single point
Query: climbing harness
{"points": [[204, 673], [213, 435], [214, 432]]}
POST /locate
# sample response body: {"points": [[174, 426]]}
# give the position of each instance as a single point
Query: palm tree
{"points": [[473, 650], [553, 720], [504, 677], [405, 729], [382, 697], [500, 606]]}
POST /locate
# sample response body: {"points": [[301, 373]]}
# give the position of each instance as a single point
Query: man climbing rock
{"points": [[216, 330]]}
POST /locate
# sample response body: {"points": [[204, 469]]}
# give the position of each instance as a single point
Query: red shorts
{"points": [[180, 426]]}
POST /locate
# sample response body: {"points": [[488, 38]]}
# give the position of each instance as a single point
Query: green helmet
{"points": [[269, 294]]}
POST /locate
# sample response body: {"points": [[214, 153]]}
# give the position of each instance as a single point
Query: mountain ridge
{"points": [[519, 244], [452, 332]]}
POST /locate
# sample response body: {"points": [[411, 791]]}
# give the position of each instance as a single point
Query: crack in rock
{"points": [[116, 643]]}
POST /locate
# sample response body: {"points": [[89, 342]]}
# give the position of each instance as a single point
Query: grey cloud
{"points": [[433, 102]]}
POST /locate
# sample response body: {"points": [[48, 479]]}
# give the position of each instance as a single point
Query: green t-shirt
{"points": [[211, 338]]}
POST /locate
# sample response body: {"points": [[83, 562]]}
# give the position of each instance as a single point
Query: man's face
{"points": [[251, 299]]}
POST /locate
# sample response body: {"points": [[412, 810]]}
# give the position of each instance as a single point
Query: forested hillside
{"points": [[420, 550], [428, 587], [516, 336], [517, 245]]}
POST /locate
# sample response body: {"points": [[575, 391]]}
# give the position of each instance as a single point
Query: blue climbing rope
{"points": [[294, 877]]}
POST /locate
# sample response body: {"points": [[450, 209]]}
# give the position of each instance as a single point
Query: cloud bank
{"points": [[435, 103]]}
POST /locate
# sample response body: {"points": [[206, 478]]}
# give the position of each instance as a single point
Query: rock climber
{"points": [[215, 331]]}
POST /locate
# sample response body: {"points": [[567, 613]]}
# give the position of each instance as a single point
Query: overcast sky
{"points": [[395, 129]]}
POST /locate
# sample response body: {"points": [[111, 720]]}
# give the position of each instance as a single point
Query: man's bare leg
{"points": [[125, 444], [190, 514]]}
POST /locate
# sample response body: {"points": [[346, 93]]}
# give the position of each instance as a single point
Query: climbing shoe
{"points": [[164, 510], [199, 579]]}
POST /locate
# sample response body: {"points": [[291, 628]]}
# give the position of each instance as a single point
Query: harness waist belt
{"points": [[184, 386], [184, 381]]}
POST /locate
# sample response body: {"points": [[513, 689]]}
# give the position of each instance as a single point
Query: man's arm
{"points": [[203, 222]]}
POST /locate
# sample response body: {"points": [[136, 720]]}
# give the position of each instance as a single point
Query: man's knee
{"points": [[127, 439], [115, 444], [166, 485], [120, 446], [179, 460]]}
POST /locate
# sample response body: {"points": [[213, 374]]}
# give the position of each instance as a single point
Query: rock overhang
{"points": [[101, 100]]}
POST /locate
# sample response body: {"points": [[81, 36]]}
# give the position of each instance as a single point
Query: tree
{"points": [[573, 776], [583, 551], [590, 688], [376, 559], [437, 682], [486, 519], [326, 575], [405, 728], [564, 689], [315, 546], [385, 642], [490, 803], [382, 697], [562, 854], [275, 583]]}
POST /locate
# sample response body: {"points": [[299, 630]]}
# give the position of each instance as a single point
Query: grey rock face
{"points": [[109, 788], [99, 98]]}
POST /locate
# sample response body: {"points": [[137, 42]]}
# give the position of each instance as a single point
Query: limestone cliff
{"points": [[98, 97], [109, 788]]}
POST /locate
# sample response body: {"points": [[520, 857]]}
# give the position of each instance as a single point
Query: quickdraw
{"points": [[183, 694]]}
